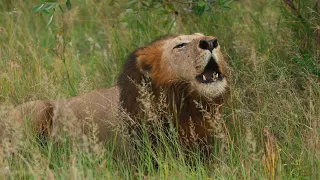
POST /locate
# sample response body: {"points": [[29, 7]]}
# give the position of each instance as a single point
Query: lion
{"points": [[189, 70]]}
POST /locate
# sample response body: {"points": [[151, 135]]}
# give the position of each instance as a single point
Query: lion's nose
{"points": [[209, 44]]}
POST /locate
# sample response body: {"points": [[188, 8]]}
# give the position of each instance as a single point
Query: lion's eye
{"points": [[180, 45]]}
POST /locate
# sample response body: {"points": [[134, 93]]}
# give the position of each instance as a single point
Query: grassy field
{"points": [[271, 120]]}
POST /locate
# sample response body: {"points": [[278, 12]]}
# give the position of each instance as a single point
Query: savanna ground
{"points": [[271, 120]]}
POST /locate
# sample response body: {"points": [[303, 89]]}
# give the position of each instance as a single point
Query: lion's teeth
{"points": [[204, 77], [217, 75]]}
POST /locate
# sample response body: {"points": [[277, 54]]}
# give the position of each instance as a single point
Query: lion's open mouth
{"points": [[211, 73]]}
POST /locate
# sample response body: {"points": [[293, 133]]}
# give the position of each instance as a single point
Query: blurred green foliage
{"points": [[303, 18], [199, 7]]}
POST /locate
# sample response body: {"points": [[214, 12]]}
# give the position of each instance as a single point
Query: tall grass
{"points": [[271, 119]]}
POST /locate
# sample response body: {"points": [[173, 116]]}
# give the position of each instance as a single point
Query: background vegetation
{"points": [[271, 120]]}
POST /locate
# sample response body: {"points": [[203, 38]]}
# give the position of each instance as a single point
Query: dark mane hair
{"points": [[131, 76]]}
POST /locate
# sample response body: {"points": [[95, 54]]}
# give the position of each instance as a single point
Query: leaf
{"points": [[68, 4], [225, 8], [228, 2], [50, 20], [47, 12], [201, 3], [156, 5], [49, 1], [61, 8], [207, 7], [112, 2], [132, 2], [221, 2], [129, 11], [199, 10], [37, 7], [145, 3], [49, 6]]}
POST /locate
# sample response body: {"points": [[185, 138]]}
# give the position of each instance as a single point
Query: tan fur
{"points": [[98, 107]]}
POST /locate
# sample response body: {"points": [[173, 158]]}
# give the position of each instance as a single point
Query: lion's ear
{"points": [[143, 65]]}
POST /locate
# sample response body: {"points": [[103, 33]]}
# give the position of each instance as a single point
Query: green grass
{"points": [[272, 117]]}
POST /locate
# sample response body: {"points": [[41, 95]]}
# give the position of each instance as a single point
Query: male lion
{"points": [[188, 70]]}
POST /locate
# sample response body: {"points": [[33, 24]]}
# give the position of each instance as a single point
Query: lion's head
{"points": [[195, 59], [189, 71], [187, 67]]}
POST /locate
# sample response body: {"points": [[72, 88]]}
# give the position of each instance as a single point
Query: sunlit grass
{"points": [[271, 117]]}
